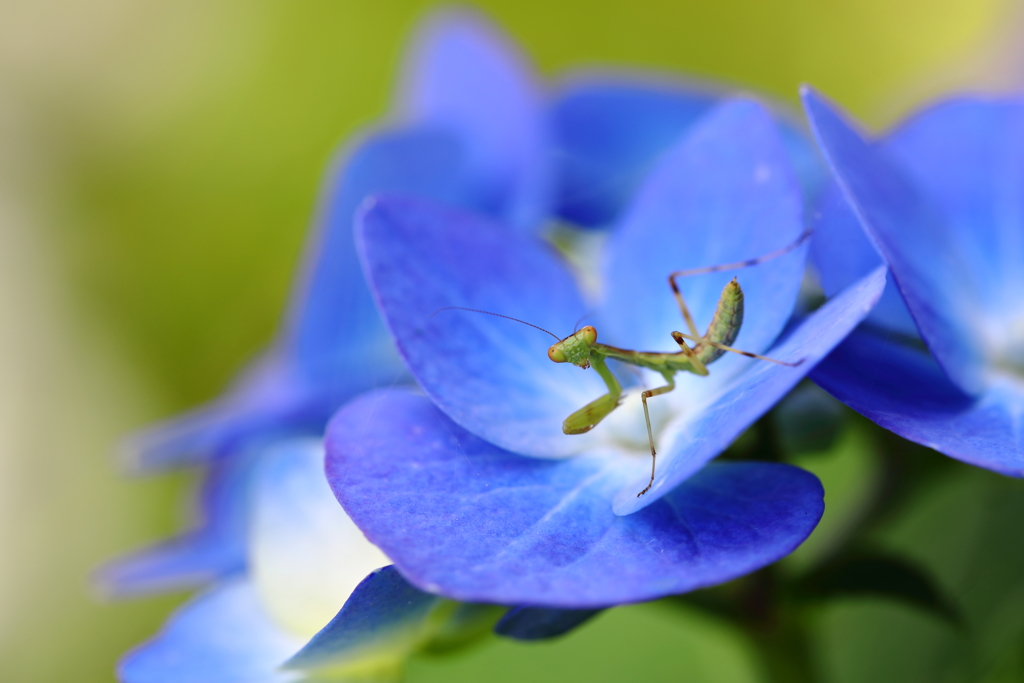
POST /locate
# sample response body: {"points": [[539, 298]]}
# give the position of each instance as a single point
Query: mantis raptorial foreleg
{"points": [[647, 416], [587, 417]]}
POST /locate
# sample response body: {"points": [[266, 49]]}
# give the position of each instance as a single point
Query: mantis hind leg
{"points": [[690, 325], [650, 434], [587, 417]]}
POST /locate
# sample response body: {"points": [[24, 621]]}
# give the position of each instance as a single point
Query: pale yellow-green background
{"points": [[158, 168]]}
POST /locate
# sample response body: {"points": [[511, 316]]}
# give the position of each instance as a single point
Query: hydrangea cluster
{"points": [[464, 507]]}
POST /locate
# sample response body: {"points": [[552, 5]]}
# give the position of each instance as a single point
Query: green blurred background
{"points": [[159, 164]]}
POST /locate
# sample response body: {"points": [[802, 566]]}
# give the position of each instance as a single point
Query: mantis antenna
{"points": [[497, 315]]}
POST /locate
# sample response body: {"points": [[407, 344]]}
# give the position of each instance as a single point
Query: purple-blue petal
{"points": [[383, 619], [334, 334], [539, 623], [223, 636], [334, 344], [725, 193], [491, 375], [912, 235], [610, 129], [463, 75], [608, 132], [215, 549], [708, 429], [966, 154], [842, 254], [462, 517], [905, 391]]}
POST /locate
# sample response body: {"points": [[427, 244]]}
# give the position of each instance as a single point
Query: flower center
{"points": [[626, 429], [1006, 347]]}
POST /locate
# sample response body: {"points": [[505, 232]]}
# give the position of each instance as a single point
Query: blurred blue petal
{"points": [[463, 75], [223, 636], [538, 623], [705, 431], [334, 345], [214, 550], [608, 133], [610, 130], [491, 375], [383, 620], [461, 517], [842, 254], [334, 334], [966, 155], [305, 554], [725, 193], [905, 391], [911, 234]]}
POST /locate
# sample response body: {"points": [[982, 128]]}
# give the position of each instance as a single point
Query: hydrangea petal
{"points": [[608, 132], [306, 555], [463, 518], [489, 374], [539, 623], [906, 392], [384, 620], [334, 345], [965, 153], [464, 75], [912, 236], [215, 549], [726, 193], [334, 333], [702, 433], [223, 635], [842, 254]]}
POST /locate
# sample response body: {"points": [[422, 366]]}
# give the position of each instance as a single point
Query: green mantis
{"points": [[582, 349]]}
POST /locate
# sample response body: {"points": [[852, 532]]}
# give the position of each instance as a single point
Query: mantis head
{"points": [[575, 348]]}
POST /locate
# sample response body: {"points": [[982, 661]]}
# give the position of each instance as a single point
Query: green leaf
{"points": [[879, 575]]}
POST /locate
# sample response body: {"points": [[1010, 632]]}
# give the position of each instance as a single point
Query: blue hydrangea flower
{"points": [[278, 623], [940, 198], [286, 555], [469, 130], [439, 482]]}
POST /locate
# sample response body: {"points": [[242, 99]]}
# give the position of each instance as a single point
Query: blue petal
{"points": [[383, 621], [705, 431], [726, 193], [912, 236], [305, 555], [222, 636], [334, 333], [906, 392], [463, 75], [461, 517], [608, 133], [539, 623], [966, 154], [490, 375], [610, 130], [216, 549], [334, 345], [842, 254]]}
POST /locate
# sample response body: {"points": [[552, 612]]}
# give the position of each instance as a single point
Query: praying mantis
{"points": [[582, 349]]}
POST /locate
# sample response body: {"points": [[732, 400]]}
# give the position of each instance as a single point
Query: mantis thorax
{"points": [[575, 348]]}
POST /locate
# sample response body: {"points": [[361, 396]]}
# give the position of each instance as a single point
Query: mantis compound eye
{"points": [[556, 353]]}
